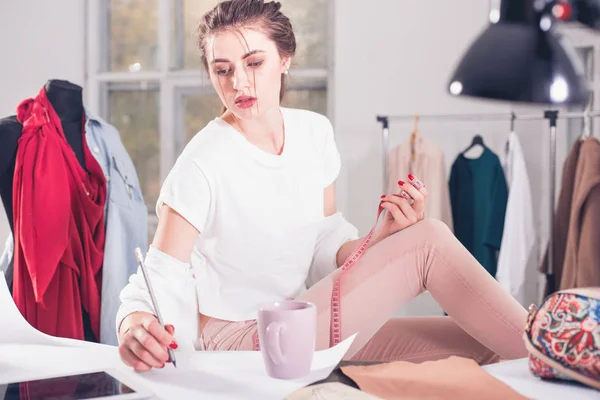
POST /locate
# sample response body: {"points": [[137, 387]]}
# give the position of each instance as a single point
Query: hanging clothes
{"points": [[478, 195], [429, 166], [582, 257], [518, 236], [562, 218], [126, 219], [58, 226], [581, 265]]}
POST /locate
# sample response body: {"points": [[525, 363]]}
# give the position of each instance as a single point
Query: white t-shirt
{"points": [[257, 213]]}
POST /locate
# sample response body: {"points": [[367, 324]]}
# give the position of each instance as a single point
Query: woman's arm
{"points": [[400, 214], [174, 235], [330, 208], [142, 340], [174, 238]]}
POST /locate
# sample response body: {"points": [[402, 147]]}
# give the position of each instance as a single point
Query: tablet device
{"points": [[99, 385]]}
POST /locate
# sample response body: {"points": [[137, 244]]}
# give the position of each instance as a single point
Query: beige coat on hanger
{"points": [[430, 167]]}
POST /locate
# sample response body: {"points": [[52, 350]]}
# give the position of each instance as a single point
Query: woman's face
{"points": [[245, 68]]}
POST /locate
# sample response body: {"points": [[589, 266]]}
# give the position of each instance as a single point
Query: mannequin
{"points": [[66, 99]]}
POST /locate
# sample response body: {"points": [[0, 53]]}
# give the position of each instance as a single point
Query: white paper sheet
{"points": [[15, 329], [29, 354]]}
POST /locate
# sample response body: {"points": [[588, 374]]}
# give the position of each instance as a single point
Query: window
{"points": [[144, 75]]}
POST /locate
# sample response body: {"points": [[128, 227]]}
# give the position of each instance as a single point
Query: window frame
{"points": [[582, 39]]}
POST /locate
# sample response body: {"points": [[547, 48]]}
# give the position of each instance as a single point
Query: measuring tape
{"points": [[336, 301]]}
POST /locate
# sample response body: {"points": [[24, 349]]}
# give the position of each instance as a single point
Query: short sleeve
{"points": [[187, 191], [332, 161]]}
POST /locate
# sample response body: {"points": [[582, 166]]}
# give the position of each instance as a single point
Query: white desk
{"points": [[23, 361]]}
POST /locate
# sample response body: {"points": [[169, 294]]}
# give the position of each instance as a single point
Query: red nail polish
{"points": [[383, 196], [173, 345], [411, 177], [400, 183]]}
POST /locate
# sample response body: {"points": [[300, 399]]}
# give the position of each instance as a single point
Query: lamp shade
{"points": [[519, 61]]}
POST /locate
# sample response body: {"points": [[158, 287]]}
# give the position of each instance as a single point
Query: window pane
{"points": [[185, 51], [199, 110], [307, 99], [309, 19], [133, 35], [134, 113]]}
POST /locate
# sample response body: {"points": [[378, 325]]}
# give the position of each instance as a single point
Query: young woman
{"points": [[248, 215]]}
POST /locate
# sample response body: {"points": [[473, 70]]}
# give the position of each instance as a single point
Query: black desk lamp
{"points": [[520, 57]]}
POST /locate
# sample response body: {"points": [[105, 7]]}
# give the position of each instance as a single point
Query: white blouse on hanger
{"points": [[518, 236]]}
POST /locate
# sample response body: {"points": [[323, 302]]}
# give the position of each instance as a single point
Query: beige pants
{"points": [[484, 321]]}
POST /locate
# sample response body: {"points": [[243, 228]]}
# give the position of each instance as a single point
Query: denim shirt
{"points": [[126, 218]]}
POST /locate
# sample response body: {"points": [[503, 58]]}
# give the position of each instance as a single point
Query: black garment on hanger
{"points": [[478, 196]]}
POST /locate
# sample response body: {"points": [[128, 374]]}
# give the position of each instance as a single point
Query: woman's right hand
{"points": [[143, 341]]}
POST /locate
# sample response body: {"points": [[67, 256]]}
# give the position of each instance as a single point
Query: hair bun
{"points": [[275, 4]]}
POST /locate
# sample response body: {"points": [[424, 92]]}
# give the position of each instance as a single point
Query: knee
{"points": [[430, 231], [433, 228]]}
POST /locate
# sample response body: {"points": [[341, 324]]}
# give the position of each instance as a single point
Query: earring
{"points": [[285, 72]]}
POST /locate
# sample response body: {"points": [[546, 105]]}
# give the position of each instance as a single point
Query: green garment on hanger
{"points": [[478, 196]]}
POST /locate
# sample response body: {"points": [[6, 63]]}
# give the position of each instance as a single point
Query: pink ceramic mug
{"points": [[287, 334]]}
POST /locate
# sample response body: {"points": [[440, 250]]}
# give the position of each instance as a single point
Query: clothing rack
{"points": [[551, 115]]}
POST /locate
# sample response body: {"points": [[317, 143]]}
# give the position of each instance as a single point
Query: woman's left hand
{"points": [[403, 209]]}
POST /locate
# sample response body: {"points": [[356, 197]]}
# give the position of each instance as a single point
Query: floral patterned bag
{"points": [[563, 336]]}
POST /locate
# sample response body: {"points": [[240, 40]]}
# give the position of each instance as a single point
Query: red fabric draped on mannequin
{"points": [[58, 226]]}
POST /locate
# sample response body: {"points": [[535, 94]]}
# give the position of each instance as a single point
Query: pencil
{"points": [[140, 258]]}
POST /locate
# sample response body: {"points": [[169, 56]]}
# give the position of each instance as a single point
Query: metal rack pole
{"points": [[507, 116], [552, 116], [384, 145]]}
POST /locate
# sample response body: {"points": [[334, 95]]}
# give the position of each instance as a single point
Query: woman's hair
{"points": [[236, 14]]}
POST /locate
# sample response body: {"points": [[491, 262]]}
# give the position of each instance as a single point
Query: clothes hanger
{"points": [[413, 137], [513, 117], [586, 124], [477, 140]]}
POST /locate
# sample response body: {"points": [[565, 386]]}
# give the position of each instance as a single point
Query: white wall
{"points": [[396, 57], [40, 40]]}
